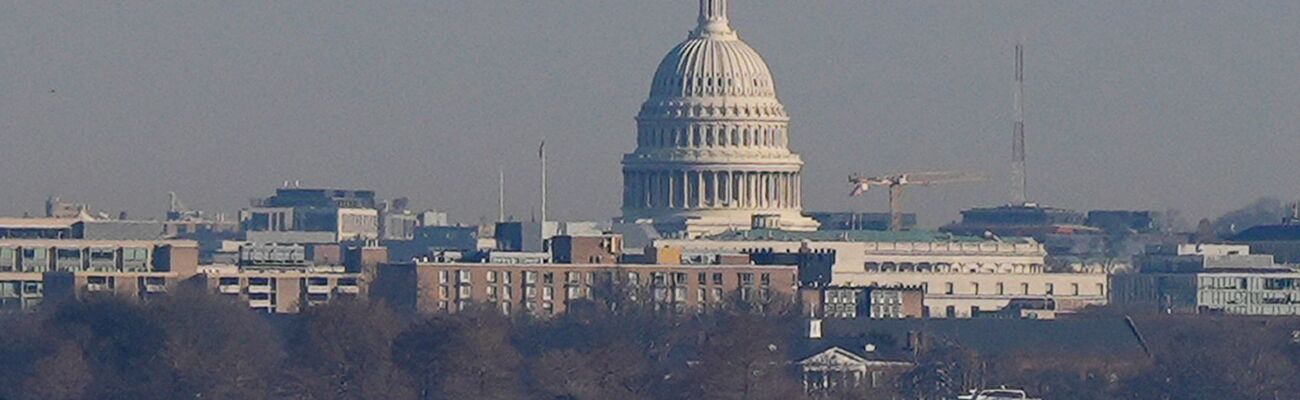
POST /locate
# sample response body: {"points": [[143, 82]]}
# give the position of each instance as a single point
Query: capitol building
{"points": [[712, 139]]}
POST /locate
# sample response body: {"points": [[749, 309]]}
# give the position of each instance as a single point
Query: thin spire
{"points": [[713, 19], [1019, 181]]}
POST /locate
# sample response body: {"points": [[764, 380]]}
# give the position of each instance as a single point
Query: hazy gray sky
{"points": [[1189, 105]]}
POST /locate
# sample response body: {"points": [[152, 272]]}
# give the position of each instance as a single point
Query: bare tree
{"points": [[483, 364], [343, 350], [215, 347], [63, 375], [615, 371], [744, 357]]}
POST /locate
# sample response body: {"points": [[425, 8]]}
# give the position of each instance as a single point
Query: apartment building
{"points": [[282, 291], [287, 278], [33, 271], [546, 289]]}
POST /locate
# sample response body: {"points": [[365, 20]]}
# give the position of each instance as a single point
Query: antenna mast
{"points": [[541, 153], [501, 194], [1019, 182]]}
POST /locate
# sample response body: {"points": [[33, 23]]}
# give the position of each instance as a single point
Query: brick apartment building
{"points": [[546, 289]]}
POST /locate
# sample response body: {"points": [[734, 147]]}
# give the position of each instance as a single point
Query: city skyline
{"points": [[1128, 106]]}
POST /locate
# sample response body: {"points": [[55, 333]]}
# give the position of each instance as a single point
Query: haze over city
{"points": [[1139, 106]]}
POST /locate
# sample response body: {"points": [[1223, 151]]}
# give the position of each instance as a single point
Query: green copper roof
{"points": [[851, 236]]}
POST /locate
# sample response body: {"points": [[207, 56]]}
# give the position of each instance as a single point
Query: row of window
{"points": [[44, 259], [108, 283], [13, 289], [548, 293], [710, 86], [266, 281], [465, 277], [947, 267], [1244, 283], [708, 137], [1000, 288]]}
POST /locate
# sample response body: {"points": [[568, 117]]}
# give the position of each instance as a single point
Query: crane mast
{"points": [[897, 184]]}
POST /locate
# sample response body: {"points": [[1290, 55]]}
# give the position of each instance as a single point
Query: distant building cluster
{"points": [[712, 214]]}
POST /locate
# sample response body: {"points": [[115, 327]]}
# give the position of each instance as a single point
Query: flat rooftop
{"points": [[37, 223], [95, 243], [471, 265], [854, 236]]}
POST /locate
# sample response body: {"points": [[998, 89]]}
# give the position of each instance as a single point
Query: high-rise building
{"points": [[712, 140]]}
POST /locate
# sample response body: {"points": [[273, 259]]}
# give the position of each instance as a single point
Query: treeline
{"points": [[1191, 357], [192, 345]]}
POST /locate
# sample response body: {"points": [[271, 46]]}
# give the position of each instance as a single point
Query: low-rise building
{"points": [[1224, 279], [587, 249], [1282, 241], [960, 276], [286, 278], [846, 302], [546, 289], [344, 214], [37, 228], [856, 221], [849, 368]]}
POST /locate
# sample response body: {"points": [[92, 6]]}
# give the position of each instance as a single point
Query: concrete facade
{"points": [[1209, 278], [283, 292], [33, 272]]}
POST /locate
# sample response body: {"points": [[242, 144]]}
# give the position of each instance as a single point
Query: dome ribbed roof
{"points": [[712, 66], [713, 61]]}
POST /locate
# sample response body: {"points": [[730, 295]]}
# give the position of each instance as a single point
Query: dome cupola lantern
{"points": [[713, 19]]}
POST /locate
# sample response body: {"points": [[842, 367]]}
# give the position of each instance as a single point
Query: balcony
{"points": [[155, 288], [259, 303], [259, 289], [97, 287], [228, 289], [349, 289], [318, 289]]}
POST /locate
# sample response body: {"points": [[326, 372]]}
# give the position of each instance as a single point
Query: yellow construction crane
{"points": [[897, 182]]}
